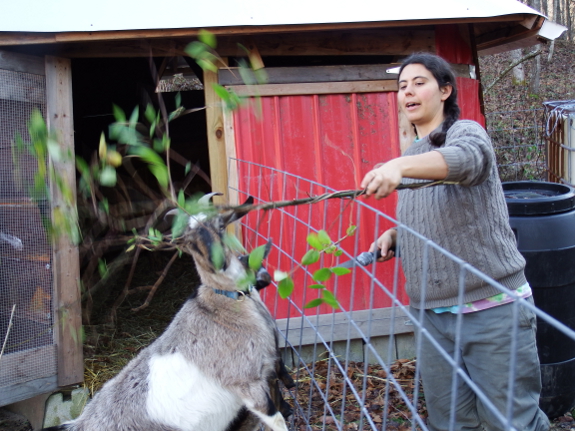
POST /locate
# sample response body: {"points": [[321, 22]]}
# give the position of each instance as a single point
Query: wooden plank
{"points": [[66, 266], [21, 63], [23, 366], [315, 88], [311, 74], [216, 139], [19, 89], [23, 391], [294, 75], [380, 41], [301, 331]]}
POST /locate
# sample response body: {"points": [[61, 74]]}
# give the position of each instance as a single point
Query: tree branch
{"points": [[510, 68]]}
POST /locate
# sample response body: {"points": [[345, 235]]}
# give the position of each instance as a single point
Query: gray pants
{"points": [[485, 352]]}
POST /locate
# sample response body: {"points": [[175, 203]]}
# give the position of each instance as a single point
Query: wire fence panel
{"points": [[517, 137], [358, 367]]}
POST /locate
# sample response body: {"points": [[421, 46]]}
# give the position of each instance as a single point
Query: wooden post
{"points": [[216, 138], [65, 262]]}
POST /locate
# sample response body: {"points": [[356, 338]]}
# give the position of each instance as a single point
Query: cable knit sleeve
{"points": [[468, 153]]}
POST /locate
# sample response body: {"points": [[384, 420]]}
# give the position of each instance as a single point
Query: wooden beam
{"points": [[22, 391], [294, 75], [65, 264], [216, 139], [22, 63], [315, 88], [301, 331], [377, 41], [26, 38], [22, 366]]}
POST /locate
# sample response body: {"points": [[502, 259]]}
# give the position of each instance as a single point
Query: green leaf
{"points": [[256, 257], [179, 223], [285, 287], [330, 299], [324, 238], [338, 252], [195, 49], [316, 286], [314, 303], [207, 65], [161, 174], [233, 243], [146, 154], [134, 117], [108, 176], [105, 205], [340, 271], [188, 168], [312, 256], [181, 198], [119, 114], [54, 150], [330, 249], [178, 99], [150, 114], [322, 274], [217, 255], [351, 230], [102, 268], [313, 240], [280, 275], [208, 38], [83, 167]]}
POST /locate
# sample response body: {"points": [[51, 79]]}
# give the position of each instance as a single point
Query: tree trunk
{"points": [[518, 77], [534, 85], [551, 49]]}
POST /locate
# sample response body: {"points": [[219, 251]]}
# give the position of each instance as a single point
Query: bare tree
{"points": [[518, 70]]}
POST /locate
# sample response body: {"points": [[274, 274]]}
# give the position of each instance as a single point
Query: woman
{"points": [[470, 220]]}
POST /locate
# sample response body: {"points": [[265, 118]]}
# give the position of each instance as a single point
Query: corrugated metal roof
{"points": [[107, 15]]}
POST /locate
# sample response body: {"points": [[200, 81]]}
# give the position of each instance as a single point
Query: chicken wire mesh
{"points": [[356, 367], [25, 253]]}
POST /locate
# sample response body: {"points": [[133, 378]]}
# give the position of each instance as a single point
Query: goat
{"points": [[214, 362]]}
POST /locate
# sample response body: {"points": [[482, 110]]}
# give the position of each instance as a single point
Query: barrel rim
{"points": [[562, 202]]}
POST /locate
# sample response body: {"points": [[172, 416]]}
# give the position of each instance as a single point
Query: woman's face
{"points": [[420, 98]]}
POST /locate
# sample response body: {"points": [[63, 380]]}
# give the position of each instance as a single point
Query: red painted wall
{"points": [[332, 140]]}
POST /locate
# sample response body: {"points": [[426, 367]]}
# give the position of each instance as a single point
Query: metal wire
{"points": [[339, 339]]}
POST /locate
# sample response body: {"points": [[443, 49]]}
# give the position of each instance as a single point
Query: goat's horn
{"points": [[205, 199]]}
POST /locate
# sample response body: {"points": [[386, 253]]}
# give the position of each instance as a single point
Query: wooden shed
{"points": [[328, 65]]}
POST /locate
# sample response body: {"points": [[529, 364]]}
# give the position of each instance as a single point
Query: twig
{"points": [[157, 284], [8, 331], [510, 68], [353, 194]]}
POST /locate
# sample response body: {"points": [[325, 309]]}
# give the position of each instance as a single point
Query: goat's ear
{"points": [[238, 212]]}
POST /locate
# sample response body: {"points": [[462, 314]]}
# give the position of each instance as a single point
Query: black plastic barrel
{"points": [[542, 215]]}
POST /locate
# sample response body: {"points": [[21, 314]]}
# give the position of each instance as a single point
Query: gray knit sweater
{"points": [[469, 220]]}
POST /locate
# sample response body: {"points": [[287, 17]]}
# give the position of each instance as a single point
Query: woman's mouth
{"points": [[410, 106]]}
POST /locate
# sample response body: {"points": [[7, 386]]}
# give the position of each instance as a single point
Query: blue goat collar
{"points": [[236, 294]]}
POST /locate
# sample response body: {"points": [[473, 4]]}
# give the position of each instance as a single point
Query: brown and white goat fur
{"points": [[213, 363]]}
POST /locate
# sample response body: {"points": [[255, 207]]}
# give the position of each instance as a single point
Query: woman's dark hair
{"points": [[443, 74]]}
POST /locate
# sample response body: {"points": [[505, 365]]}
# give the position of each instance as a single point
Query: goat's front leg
{"points": [[257, 399]]}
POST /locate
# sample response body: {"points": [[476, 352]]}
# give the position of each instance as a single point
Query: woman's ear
{"points": [[446, 92]]}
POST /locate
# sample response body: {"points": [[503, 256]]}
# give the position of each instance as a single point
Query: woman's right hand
{"points": [[386, 242]]}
